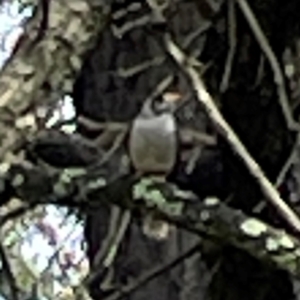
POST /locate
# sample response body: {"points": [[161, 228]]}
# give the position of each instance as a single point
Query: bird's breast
{"points": [[153, 144]]}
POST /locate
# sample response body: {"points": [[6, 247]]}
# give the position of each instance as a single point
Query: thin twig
{"points": [[157, 9], [190, 38], [139, 68], [160, 88], [95, 125], [282, 175], [117, 143], [128, 26], [230, 136], [278, 76], [124, 224], [193, 136], [260, 71], [128, 289], [106, 255], [288, 163], [107, 243], [232, 45]]}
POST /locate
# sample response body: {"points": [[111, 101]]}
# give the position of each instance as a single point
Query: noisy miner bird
{"points": [[153, 149]]}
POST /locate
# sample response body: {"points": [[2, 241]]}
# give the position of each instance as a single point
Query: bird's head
{"points": [[168, 103]]}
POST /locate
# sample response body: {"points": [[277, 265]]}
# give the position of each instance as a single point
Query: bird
{"points": [[153, 141], [153, 150]]}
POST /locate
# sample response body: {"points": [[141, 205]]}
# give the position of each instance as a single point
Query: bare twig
{"points": [[153, 273], [141, 67], [161, 87], [95, 125], [128, 26], [288, 163], [271, 57], [192, 136], [124, 223], [117, 143], [230, 136], [281, 177], [158, 9], [130, 8], [260, 70], [107, 243], [106, 255], [190, 38], [232, 45], [193, 158]]}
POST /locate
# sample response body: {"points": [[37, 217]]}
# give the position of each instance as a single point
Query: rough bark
{"points": [[42, 71]]}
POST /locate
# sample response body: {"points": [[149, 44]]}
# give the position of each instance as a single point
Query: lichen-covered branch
{"points": [[210, 218], [213, 219], [40, 71]]}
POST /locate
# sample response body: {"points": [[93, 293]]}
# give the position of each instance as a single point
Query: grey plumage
{"points": [[153, 139]]}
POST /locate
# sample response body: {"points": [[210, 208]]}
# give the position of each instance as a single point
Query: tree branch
{"points": [[40, 71], [210, 218]]}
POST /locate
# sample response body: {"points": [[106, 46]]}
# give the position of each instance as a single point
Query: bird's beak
{"points": [[172, 97], [173, 100]]}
